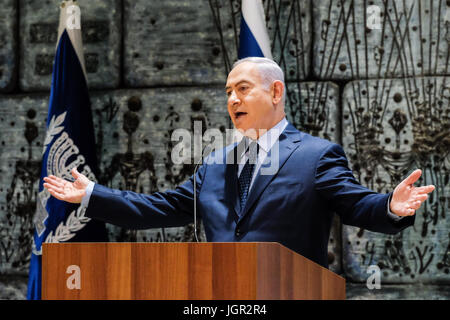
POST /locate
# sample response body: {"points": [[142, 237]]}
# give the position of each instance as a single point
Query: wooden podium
{"points": [[183, 271]]}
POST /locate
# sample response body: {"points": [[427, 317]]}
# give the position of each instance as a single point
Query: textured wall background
{"points": [[155, 66]]}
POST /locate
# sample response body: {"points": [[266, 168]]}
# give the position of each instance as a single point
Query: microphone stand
{"points": [[205, 150]]}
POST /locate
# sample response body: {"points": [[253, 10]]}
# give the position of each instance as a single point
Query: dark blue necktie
{"points": [[247, 173]]}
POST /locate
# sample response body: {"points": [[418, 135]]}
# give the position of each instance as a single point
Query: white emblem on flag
{"points": [[60, 151]]}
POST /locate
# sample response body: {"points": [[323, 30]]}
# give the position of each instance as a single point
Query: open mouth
{"points": [[239, 114]]}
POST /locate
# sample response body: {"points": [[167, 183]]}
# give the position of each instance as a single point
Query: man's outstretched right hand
{"points": [[61, 189]]}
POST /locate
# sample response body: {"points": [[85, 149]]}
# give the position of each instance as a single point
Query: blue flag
{"points": [[69, 143], [253, 37]]}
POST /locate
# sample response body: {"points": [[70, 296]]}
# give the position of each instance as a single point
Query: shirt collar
{"points": [[268, 139]]}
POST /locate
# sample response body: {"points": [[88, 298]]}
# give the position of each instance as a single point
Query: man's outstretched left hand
{"points": [[407, 198]]}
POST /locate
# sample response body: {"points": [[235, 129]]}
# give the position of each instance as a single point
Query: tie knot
{"points": [[253, 149], [247, 148]]}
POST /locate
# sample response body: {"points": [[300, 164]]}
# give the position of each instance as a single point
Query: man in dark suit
{"points": [[241, 199]]}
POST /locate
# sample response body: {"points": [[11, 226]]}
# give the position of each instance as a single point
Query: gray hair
{"points": [[269, 71]]}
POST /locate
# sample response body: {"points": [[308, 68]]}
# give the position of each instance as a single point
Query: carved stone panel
{"points": [[101, 34], [390, 128], [179, 43], [22, 131], [13, 288], [312, 107], [377, 39], [171, 42], [8, 45]]}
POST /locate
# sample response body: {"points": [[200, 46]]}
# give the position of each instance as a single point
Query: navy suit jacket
{"points": [[294, 207]]}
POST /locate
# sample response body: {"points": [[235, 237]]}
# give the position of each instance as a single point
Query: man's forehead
{"points": [[245, 72]]}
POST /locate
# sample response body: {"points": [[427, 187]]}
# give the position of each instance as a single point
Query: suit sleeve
{"points": [[133, 210], [354, 203]]}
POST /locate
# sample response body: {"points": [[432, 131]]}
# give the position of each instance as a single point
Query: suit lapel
{"points": [[287, 143], [231, 187], [231, 181]]}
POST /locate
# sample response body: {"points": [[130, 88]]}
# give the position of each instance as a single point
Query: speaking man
{"points": [[238, 199]]}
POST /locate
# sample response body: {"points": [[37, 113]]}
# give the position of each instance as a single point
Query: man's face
{"points": [[250, 104]]}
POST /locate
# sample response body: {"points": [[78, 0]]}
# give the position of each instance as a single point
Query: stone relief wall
{"points": [[155, 66], [101, 33], [385, 141]]}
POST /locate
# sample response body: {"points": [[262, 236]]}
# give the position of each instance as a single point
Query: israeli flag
{"points": [[253, 38], [69, 143]]}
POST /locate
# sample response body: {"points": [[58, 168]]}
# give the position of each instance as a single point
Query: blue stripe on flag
{"points": [[248, 46]]}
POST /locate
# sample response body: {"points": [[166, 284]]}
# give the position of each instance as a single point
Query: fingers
{"points": [[412, 205], [57, 194], [425, 189], [421, 197], [53, 187], [415, 205], [75, 173], [408, 208], [413, 177], [54, 181]]}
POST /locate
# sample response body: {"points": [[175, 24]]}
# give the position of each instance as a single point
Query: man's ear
{"points": [[277, 91]]}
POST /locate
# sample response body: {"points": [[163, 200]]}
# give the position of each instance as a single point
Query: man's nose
{"points": [[233, 99]]}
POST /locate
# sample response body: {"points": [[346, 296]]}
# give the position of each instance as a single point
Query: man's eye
{"points": [[243, 88]]}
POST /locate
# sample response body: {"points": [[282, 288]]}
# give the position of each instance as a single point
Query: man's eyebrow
{"points": [[226, 88]]}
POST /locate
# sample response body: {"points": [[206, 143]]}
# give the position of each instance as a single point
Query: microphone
{"points": [[207, 149]]}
